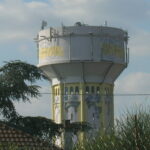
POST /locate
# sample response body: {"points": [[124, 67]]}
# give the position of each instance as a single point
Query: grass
{"points": [[132, 132]]}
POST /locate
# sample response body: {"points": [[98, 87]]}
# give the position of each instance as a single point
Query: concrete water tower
{"points": [[82, 63]]}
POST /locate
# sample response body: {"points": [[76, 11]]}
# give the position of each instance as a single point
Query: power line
{"points": [[116, 94]]}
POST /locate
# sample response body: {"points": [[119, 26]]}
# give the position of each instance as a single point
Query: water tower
{"points": [[82, 63]]}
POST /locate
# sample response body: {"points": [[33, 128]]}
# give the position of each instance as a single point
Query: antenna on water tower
{"points": [[106, 23], [44, 24]]}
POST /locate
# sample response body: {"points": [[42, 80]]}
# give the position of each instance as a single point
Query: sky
{"points": [[20, 21]]}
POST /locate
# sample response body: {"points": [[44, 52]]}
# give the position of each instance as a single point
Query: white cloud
{"points": [[6, 36], [135, 83], [18, 16], [20, 20], [36, 5], [69, 2], [139, 43]]}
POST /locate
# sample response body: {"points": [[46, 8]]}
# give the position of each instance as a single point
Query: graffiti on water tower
{"points": [[50, 51], [112, 50]]}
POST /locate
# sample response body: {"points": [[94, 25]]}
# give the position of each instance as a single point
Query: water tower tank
{"points": [[82, 63]]}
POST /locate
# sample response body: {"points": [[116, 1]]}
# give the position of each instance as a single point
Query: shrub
{"points": [[130, 133]]}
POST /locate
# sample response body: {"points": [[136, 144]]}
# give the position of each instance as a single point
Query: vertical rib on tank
{"points": [[82, 63]]}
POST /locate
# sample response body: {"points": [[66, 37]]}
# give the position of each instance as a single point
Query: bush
{"points": [[130, 133]]}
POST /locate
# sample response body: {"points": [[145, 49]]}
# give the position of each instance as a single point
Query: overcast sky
{"points": [[20, 20]]}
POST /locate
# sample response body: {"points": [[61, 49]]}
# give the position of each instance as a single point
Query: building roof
{"points": [[12, 136]]}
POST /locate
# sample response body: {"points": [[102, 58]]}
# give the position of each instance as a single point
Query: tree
{"points": [[41, 127], [45, 128], [17, 82], [77, 127]]}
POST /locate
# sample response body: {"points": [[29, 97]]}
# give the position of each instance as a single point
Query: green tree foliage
{"points": [[40, 127], [77, 127], [9, 147], [17, 82], [45, 128]]}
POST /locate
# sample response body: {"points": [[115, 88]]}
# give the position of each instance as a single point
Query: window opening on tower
{"points": [[106, 91], [93, 116], [66, 90], [76, 90], [71, 90], [97, 90], [71, 118], [66, 93], [87, 89]]}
